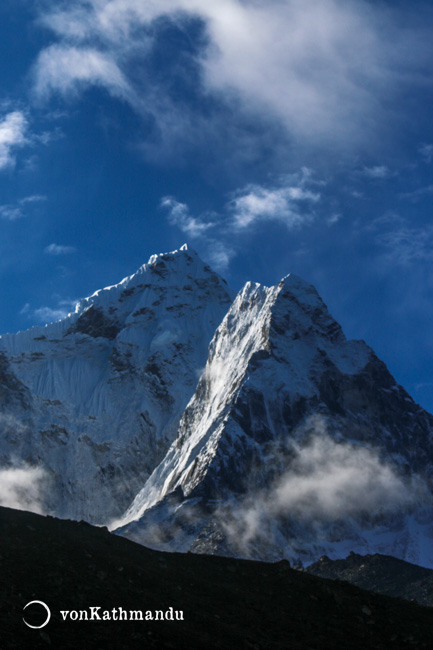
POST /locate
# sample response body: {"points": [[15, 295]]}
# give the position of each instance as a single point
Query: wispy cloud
{"points": [[180, 216], [320, 70], [426, 151], [220, 254], [34, 198], [66, 70], [217, 252], [406, 245], [334, 218], [13, 134], [57, 249], [25, 308], [13, 211], [419, 192], [378, 172]]}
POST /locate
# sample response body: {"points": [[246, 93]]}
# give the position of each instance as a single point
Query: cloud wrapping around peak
{"points": [[323, 71]]}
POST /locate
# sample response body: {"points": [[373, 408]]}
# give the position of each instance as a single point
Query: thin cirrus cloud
{"points": [[18, 210], [418, 193], [406, 245], [324, 71], [13, 134], [426, 151], [57, 249]]}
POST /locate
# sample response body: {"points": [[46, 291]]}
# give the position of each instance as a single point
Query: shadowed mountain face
{"points": [[226, 603], [379, 573]]}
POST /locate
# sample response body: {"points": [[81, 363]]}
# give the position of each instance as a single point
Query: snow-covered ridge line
{"points": [[109, 383]]}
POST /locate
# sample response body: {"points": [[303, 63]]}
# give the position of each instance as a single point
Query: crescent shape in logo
{"points": [[38, 602]]}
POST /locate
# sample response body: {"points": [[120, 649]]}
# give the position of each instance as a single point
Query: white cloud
{"points": [[13, 128], [11, 212], [324, 71], [23, 488], [56, 249], [50, 314], [67, 69], [285, 203], [379, 171]]}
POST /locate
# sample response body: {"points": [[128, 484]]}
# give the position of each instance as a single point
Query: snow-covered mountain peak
{"points": [[114, 377], [180, 270]]}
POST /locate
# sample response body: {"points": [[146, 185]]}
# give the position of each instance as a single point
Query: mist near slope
{"points": [[23, 487], [327, 483], [10, 424]]}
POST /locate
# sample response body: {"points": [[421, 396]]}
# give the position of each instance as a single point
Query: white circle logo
{"points": [[38, 602]]}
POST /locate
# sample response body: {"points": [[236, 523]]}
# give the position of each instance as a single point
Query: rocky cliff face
{"points": [[95, 399], [295, 442]]}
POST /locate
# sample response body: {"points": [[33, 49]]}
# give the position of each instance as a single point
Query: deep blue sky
{"points": [[273, 136]]}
